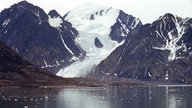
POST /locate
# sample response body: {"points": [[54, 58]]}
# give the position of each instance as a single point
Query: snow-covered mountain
{"points": [[45, 40], [101, 29], [161, 51]]}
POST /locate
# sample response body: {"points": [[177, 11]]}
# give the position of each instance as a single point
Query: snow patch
{"points": [[115, 74], [55, 22], [74, 59], [17, 51], [57, 63], [48, 65], [172, 40], [149, 74], [36, 13], [105, 73], [6, 22], [190, 53], [166, 75], [45, 64], [136, 22]]}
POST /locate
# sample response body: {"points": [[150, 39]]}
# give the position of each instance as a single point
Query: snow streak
{"points": [[172, 40]]}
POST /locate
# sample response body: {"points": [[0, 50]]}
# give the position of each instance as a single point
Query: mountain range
{"points": [[16, 71], [160, 52], [93, 41]]}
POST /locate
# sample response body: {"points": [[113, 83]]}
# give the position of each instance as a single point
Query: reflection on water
{"points": [[115, 97], [83, 98]]}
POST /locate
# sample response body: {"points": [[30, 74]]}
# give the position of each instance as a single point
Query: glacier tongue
{"points": [[82, 68], [92, 21]]}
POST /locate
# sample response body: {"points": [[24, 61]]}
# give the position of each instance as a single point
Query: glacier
{"points": [[92, 21]]}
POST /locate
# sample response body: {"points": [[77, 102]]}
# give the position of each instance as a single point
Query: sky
{"points": [[146, 10]]}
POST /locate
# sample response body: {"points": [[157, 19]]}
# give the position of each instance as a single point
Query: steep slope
{"points": [[101, 29], [123, 26], [46, 41], [161, 51], [16, 71]]}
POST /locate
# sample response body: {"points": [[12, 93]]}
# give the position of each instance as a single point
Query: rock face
{"points": [[45, 40], [98, 44], [123, 26], [14, 68], [101, 29], [161, 51]]}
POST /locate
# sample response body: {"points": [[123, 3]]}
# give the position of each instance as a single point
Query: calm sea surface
{"points": [[87, 97]]}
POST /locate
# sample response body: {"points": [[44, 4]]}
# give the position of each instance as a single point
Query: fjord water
{"points": [[88, 97]]}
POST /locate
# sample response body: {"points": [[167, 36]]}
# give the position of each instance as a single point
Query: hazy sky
{"points": [[146, 10]]}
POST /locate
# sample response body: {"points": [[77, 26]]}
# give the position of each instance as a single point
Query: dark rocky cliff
{"points": [[45, 40], [161, 51]]}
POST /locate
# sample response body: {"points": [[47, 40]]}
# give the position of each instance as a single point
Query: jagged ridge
{"points": [[160, 51]]}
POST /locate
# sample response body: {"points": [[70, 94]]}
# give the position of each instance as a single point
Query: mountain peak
{"points": [[54, 14], [37, 37], [168, 17], [24, 9], [24, 5]]}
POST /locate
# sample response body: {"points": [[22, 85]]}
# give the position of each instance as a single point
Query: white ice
{"points": [[55, 21], [167, 75], [50, 65], [88, 31], [6, 22]]}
